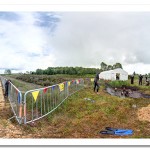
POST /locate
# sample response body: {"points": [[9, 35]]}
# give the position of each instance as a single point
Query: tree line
{"points": [[67, 70], [76, 70], [71, 70]]}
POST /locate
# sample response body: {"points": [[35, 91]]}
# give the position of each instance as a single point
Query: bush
{"points": [[118, 83]]}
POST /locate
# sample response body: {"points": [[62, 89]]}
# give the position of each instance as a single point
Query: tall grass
{"points": [[118, 83]]}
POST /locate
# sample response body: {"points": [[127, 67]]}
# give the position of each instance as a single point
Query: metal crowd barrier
{"points": [[41, 102], [15, 99], [89, 82]]}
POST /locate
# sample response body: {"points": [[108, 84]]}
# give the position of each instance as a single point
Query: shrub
{"points": [[118, 83]]}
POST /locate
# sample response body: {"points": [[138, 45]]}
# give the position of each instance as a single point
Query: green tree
{"points": [[118, 65], [103, 66], [109, 67], [7, 71], [39, 71], [50, 71]]}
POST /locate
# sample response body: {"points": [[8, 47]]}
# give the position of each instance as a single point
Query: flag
{"points": [[53, 87], [35, 94], [45, 90], [68, 83], [92, 79], [18, 98], [16, 92], [61, 86], [77, 81]]}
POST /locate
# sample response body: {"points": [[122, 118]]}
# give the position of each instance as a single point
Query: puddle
{"points": [[126, 92]]}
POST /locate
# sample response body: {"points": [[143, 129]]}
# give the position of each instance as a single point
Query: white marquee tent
{"points": [[112, 74]]}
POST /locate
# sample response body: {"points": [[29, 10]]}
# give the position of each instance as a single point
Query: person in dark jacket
{"points": [[146, 77], [140, 79], [132, 79], [6, 87], [96, 84]]}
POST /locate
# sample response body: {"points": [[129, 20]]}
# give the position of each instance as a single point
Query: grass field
{"points": [[85, 114], [80, 118]]}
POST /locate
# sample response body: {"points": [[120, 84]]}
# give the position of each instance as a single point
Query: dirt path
{"points": [[1, 97]]}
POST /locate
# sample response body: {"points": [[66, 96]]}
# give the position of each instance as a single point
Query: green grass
{"points": [[118, 83], [80, 118]]}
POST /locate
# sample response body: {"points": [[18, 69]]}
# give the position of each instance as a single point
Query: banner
{"points": [[16, 91], [68, 83], [53, 87], [35, 94], [19, 100], [77, 81], [45, 90], [61, 86], [92, 79]]}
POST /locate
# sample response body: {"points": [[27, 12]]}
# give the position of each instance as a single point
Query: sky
{"points": [[32, 40]]}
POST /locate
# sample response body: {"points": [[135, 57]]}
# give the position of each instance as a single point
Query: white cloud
{"points": [[34, 40], [88, 38], [22, 44]]}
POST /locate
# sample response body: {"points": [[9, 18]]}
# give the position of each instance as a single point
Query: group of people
{"points": [[140, 79], [96, 79]]}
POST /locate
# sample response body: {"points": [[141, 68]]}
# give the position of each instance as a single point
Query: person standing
{"points": [[132, 79], [140, 79], [6, 87], [96, 84], [146, 77]]}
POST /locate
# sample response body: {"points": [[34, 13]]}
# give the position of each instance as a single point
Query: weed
{"points": [[118, 83]]}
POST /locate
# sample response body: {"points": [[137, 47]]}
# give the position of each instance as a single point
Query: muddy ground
{"points": [[132, 92]]}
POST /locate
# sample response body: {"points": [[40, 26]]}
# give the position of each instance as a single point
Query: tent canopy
{"points": [[116, 74]]}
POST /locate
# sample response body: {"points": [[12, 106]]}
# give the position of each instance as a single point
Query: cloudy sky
{"points": [[31, 40]]}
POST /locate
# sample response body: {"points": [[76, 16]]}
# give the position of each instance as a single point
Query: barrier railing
{"points": [[41, 102], [15, 99], [89, 82]]}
